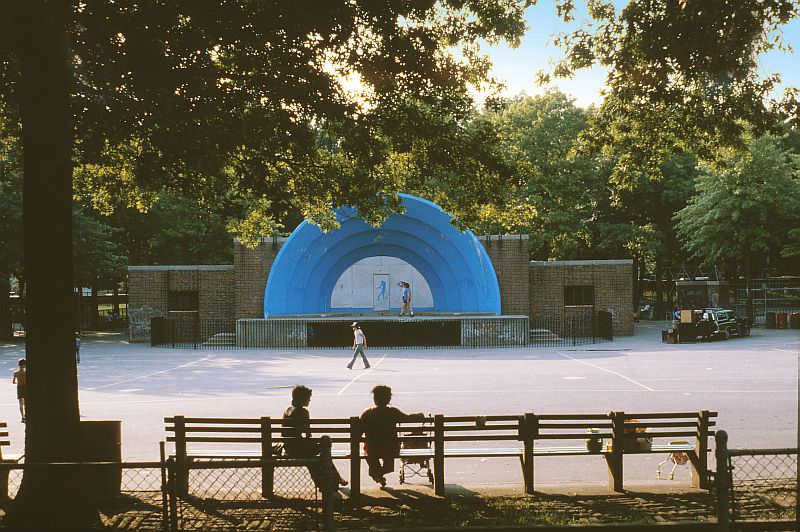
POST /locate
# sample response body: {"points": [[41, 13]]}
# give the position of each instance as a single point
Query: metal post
{"points": [[328, 489], [267, 465], [173, 494], [723, 482], [574, 333], [164, 489]]}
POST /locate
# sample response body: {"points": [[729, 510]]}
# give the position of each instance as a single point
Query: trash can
{"points": [[771, 322], [782, 320], [101, 441], [687, 332], [794, 320]]}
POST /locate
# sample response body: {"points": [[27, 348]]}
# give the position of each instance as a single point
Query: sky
{"points": [[517, 67]]}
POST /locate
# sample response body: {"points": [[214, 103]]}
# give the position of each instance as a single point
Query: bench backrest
{"points": [[470, 429], [612, 427], [4, 440], [622, 426]]}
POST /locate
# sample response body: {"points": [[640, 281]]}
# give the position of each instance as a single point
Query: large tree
{"points": [[563, 194], [206, 93], [743, 207], [683, 76], [10, 215]]}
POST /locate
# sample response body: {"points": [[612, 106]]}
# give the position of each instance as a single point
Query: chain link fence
{"points": [[756, 487], [764, 485], [245, 494], [217, 495], [128, 495]]}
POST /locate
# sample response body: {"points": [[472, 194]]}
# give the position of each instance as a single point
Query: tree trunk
{"points": [[659, 309], [48, 497], [94, 308], [748, 265], [115, 301], [6, 325]]}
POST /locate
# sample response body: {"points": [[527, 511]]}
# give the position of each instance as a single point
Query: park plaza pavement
{"points": [[752, 382]]}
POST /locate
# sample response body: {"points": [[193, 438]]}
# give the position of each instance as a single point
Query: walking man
{"points": [[359, 345]]}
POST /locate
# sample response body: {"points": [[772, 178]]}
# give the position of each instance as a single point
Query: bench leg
{"points": [[526, 461], [438, 475], [4, 485], [267, 480], [699, 471], [614, 463], [182, 479]]}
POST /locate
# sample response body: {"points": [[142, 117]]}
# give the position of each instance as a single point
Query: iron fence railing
{"points": [[561, 330], [756, 488], [421, 332]]}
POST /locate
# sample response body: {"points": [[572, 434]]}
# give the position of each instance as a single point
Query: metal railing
{"points": [[756, 488], [312, 333], [562, 331], [193, 333], [419, 333]]}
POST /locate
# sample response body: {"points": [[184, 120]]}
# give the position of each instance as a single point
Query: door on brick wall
{"points": [[605, 325], [380, 291]]}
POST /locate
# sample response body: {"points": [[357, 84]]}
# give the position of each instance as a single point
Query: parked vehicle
{"points": [[723, 323]]}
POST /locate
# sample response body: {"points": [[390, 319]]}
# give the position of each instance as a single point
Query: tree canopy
{"points": [[682, 76]]}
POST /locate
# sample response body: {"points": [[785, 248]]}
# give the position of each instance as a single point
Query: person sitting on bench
{"points": [[379, 426], [297, 430]]}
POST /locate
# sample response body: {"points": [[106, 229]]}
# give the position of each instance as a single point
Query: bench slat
{"points": [[544, 426], [671, 424], [573, 436], [487, 437], [572, 416], [471, 419], [488, 426], [666, 415]]}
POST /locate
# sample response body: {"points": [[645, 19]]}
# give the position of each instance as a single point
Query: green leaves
{"points": [[683, 76], [744, 204]]}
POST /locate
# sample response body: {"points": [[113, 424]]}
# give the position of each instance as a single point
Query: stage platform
{"points": [[385, 330]]}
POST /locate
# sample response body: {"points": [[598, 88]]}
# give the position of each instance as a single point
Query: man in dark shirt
{"points": [[296, 431], [379, 426]]}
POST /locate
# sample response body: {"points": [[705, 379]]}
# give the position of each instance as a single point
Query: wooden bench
{"points": [[522, 436], [6, 458]]}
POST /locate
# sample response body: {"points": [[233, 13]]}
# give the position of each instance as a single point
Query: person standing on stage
{"points": [[359, 345], [406, 306]]}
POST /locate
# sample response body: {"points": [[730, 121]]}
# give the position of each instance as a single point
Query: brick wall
{"points": [[216, 294], [149, 286], [509, 256], [252, 270], [612, 281]]}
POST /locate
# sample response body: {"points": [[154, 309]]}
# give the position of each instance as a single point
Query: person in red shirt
{"points": [[379, 426]]}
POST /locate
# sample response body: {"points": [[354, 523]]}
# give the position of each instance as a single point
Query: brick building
{"points": [[230, 292], [573, 287]]}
